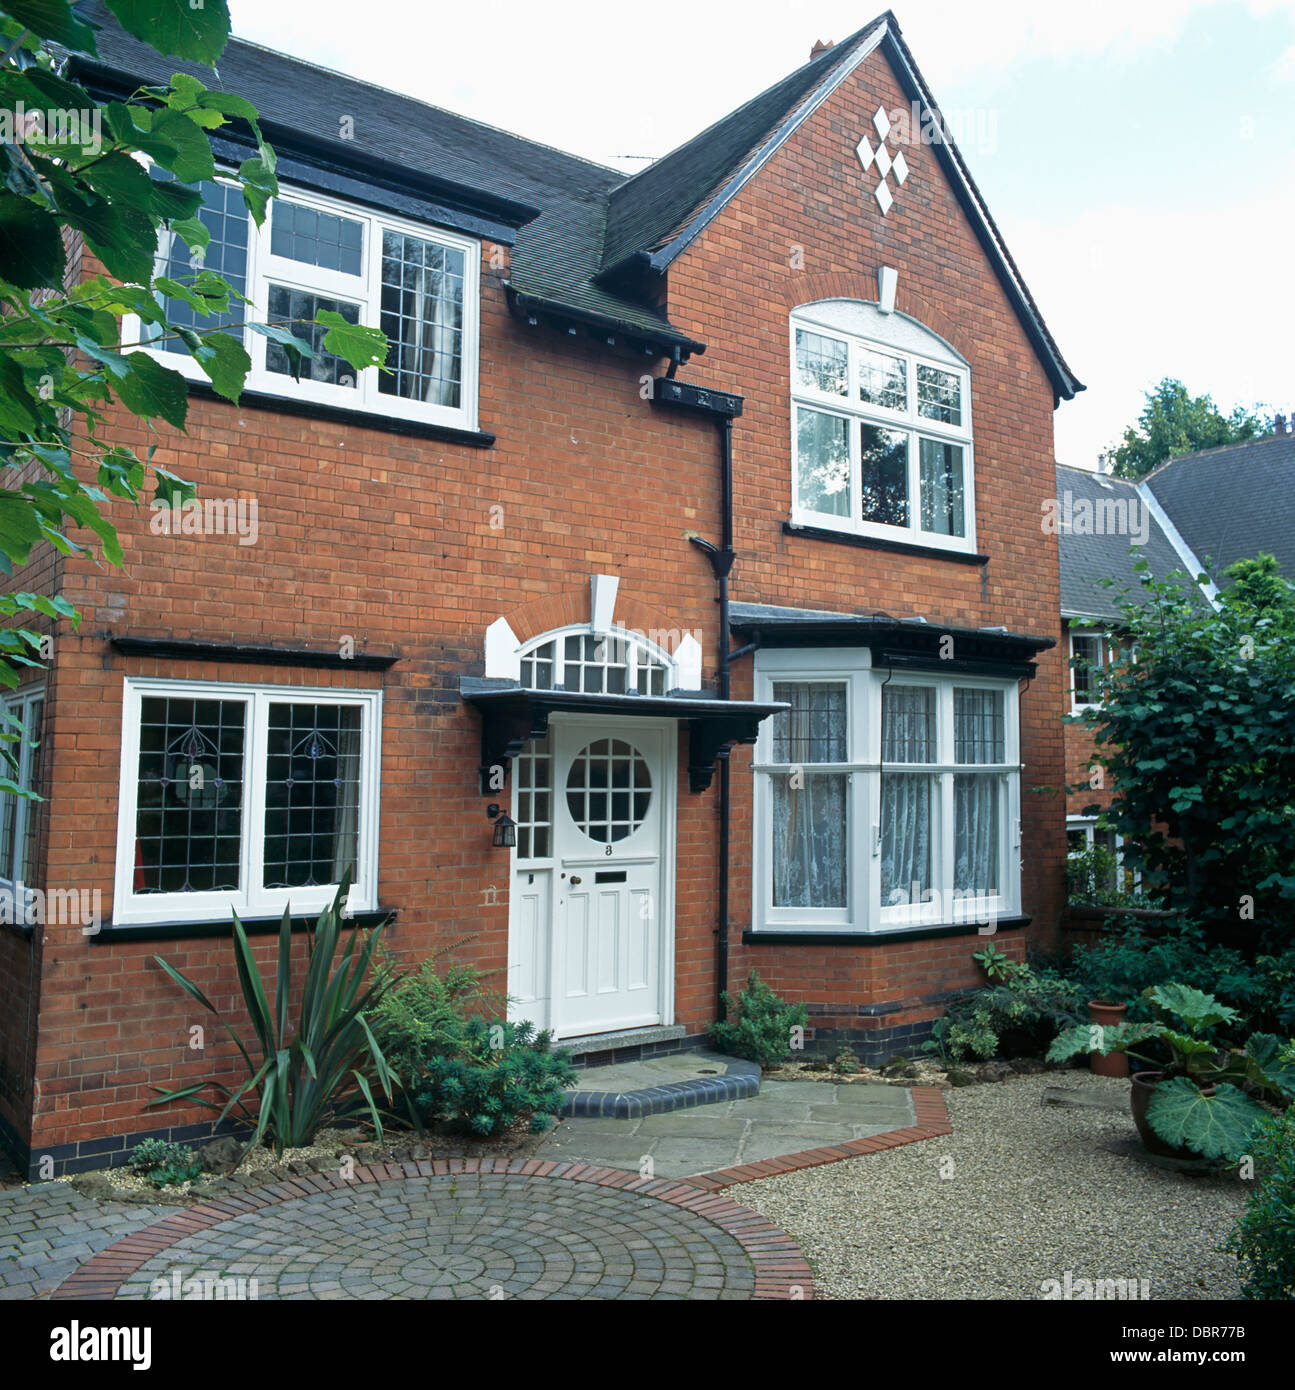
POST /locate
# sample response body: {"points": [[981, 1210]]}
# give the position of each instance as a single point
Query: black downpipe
{"points": [[723, 563]]}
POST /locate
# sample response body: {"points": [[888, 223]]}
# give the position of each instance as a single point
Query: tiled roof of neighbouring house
{"points": [[587, 221], [1232, 502], [1087, 559]]}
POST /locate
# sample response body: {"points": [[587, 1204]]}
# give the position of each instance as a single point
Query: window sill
{"points": [[930, 552], [112, 932], [343, 415], [809, 937]]}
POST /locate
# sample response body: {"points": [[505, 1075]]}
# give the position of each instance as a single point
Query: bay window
{"points": [[416, 283], [881, 427], [883, 800], [244, 798]]}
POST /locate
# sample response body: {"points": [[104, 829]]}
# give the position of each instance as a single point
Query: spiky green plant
{"points": [[311, 1068]]}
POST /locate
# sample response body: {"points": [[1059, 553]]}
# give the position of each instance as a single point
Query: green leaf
{"points": [[1272, 1063], [361, 347], [1196, 1008], [152, 390], [53, 19], [177, 28], [226, 363], [1214, 1126], [31, 245]]}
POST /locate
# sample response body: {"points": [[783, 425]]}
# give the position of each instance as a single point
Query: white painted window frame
{"points": [[1088, 824], [263, 268], [863, 767], [909, 421], [632, 641], [19, 704], [250, 900], [1078, 705]]}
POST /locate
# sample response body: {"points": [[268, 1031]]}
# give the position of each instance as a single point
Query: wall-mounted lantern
{"points": [[505, 826]]}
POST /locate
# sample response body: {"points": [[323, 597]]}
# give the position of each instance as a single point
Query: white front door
{"points": [[606, 964]]}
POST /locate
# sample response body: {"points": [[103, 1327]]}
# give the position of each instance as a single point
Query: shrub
{"points": [[426, 1013], [163, 1164], [845, 1063], [1018, 1012], [1123, 967], [495, 1076], [759, 1026], [1264, 1238], [319, 1067]]}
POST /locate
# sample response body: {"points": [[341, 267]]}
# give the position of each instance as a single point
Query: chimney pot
{"points": [[821, 47]]}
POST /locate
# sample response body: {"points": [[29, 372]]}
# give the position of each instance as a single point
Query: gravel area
{"points": [[1034, 1191]]}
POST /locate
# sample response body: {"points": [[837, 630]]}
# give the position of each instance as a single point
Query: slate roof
{"points": [[645, 211], [586, 220], [1232, 502], [1086, 560]]}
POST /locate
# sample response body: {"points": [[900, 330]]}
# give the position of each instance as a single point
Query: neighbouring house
{"points": [[1234, 502], [692, 542]]}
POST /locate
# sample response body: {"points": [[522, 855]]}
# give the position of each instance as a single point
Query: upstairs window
{"points": [[415, 283], [1087, 661], [881, 427]]}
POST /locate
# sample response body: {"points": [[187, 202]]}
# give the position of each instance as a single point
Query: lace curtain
{"points": [[907, 736], [810, 830]]}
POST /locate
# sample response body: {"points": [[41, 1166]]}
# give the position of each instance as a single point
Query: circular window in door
{"points": [[609, 790]]}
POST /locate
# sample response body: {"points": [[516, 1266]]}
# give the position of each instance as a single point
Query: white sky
{"points": [[1138, 155]]}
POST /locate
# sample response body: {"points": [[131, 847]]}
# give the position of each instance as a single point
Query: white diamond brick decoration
{"points": [[886, 163]]}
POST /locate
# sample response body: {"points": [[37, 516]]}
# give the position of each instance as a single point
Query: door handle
{"points": [[575, 878]]}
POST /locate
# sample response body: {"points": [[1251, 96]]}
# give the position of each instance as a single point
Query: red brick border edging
{"points": [[780, 1268], [932, 1120]]}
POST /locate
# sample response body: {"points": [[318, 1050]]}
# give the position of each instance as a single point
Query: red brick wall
{"points": [[734, 289], [389, 539]]}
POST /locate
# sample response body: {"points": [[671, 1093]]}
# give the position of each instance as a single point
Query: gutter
{"points": [[667, 341]]}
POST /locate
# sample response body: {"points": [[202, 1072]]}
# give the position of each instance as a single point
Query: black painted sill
{"points": [[113, 932], [929, 552], [809, 937], [344, 415]]}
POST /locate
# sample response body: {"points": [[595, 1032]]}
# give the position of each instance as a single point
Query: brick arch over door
{"points": [[839, 284]]}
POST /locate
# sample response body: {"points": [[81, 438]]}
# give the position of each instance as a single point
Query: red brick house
{"points": [[696, 528]]}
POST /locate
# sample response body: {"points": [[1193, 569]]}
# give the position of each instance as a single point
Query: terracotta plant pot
{"points": [[1143, 1085], [1105, 1013]]}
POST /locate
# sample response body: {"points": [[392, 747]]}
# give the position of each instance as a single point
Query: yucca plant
{"points": [[317, 1069]]}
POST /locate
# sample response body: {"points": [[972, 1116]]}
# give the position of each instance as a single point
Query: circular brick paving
{"points": [[457, 1229]]}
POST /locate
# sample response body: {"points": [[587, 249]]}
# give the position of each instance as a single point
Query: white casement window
{"points": [[23, 712], [1088, 657], [418, 284], [881, 427], [884, 800], [245, 797]]}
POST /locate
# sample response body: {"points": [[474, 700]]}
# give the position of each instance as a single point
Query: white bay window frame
{"points": [[251, 899], [265, 269], [18, 813], [863, 767], [822, 321]]}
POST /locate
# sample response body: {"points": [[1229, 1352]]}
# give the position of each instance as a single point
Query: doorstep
{"points": [[657, 1085], [596, 1048]]}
